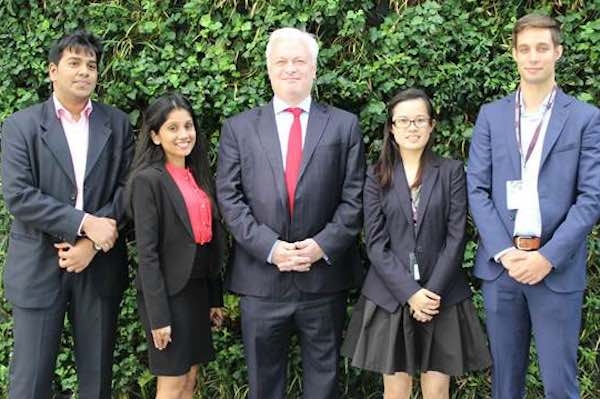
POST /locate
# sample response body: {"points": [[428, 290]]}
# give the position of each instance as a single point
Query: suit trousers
{"points": [[513, 311], [37, 335], [267, 325]]}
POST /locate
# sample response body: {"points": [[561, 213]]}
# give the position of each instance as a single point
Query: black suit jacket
{"points": [[328, 205], [166, 245], [437, 242], [39, 190]]}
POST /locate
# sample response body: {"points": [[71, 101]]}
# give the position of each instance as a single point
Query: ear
{"points": [[433, 123], [558, 51], [52, 71], [514, 53], [155, 137]]}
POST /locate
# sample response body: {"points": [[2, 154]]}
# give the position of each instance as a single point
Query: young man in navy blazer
{"points": [[64, 164], [534, 191], [289, 185]]}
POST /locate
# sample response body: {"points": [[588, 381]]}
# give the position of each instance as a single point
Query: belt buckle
{"points": [[517, 240]]}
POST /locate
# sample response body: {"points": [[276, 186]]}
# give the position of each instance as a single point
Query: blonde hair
{"points": [[293, 33]]}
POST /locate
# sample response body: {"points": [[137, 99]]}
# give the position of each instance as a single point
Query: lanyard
{"points": [[536, 133]]}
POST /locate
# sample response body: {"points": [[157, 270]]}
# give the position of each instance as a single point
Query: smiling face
{"points": [[176, 136], [414, 136], [75, 76], [536, 54], [291, 70]]}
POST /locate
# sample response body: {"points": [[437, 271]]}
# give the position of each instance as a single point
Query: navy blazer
{"points": [[166, 244], [39, 189], [438, 240], [568, 186], [328, 206]]}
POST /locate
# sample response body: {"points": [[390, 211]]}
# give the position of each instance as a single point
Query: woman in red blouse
{"points": [[179, 242]]}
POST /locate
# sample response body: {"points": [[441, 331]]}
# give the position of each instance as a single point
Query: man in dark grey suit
{"points": [[64, 163], [289, 184]]}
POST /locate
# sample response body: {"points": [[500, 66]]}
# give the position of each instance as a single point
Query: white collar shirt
{"points": [[528, 221], [77, 135], [284, 120]]}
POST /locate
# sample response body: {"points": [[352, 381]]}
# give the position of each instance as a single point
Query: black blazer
{"points": [[328, 205], [166, 245], [438, 240], [38, 183]]}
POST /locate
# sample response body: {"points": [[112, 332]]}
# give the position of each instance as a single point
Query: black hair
{"points": [[76, 41], [148, 153], [390, 153]]}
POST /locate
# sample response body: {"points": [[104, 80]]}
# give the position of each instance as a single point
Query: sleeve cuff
{"points": [[501, 253], [270, 257]]}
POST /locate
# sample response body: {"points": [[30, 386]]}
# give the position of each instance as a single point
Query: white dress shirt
{"points": [[528, 220], [284, 120], [77, 134]]}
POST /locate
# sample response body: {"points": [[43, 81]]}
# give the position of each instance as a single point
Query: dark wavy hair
{"points": [[76, 42], [148, 153], [390, 153]]}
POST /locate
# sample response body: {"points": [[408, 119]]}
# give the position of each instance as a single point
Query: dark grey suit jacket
{"points": [[328, 205], [166, 244], [438, 240], [39, 190]]}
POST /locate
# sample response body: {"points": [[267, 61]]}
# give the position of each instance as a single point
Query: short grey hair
{"points": [[293, 33]]}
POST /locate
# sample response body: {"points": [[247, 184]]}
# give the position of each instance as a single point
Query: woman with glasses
{"points": [[415, 315]]}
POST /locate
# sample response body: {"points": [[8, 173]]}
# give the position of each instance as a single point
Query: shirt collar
{"points": [[280, 106], [540, 111], [62, 112]]}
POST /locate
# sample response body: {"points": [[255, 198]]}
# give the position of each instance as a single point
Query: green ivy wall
{"points": [[213, 52]]}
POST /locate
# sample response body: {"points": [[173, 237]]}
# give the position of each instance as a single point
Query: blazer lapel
{"points": [[98, 136], [399, 187], [558, 117], [269, 139], [430, 175], [512, 145], [176, 199], [54, 137], [317, 120]]}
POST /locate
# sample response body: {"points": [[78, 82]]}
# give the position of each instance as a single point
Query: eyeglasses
{"points": [[404, 123]]}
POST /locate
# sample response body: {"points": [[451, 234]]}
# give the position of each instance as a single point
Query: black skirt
{"points": [[452, 343], [191, 338]]}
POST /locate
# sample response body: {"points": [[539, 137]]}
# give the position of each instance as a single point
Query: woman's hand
{"points": [[161, 337], [424, 304], [216, 316]]}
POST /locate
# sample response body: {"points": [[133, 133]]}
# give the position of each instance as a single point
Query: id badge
{"points": [[514, 193], [414, 266]]}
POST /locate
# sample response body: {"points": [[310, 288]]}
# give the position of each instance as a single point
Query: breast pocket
{"points": [[565, 148]]}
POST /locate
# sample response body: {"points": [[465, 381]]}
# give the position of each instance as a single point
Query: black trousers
{"points": [[267, 325], [37, 336]]}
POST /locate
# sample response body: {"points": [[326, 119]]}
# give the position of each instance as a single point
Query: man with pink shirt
{"points": [[64, 164]]}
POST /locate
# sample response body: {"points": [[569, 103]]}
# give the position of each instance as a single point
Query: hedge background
{"points": [[213, 52]]}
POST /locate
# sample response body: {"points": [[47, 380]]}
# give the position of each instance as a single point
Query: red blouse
{"points": [[196, 202]]}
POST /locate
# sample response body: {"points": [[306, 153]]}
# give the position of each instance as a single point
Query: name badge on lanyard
{"points": [[414, 266]]}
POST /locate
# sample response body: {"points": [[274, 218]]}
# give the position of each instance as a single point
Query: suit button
{"points": [[419, 249], [512, 217]]}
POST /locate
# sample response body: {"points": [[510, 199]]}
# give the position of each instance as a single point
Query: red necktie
{"points": [[294, 157]]}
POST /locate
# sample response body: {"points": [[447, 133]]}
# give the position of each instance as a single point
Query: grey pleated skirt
{"points": [[452, 343]]}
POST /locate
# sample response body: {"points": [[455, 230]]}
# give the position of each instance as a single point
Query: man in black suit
{"points": [[64, 164], [289, 184]]}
